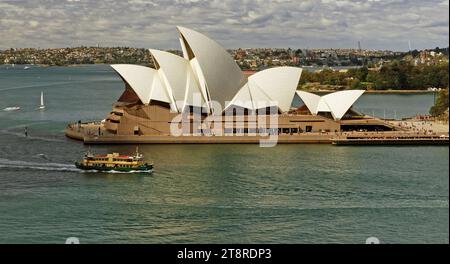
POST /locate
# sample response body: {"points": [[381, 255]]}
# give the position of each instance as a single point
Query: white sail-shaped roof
{"points": [[179, 77], [242, 98], [222, 76], [172, 69], [193, 94], [310, 100], [279, 84], [260, 99], [271, 87], [208, 73], [144, 81], [340, 102], [337, 103], [139, 78], [159, 92], [195, 67]]}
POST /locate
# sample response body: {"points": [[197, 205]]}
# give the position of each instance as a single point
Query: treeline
{"points": [[441, 105], [396, 75], [76, 55]]}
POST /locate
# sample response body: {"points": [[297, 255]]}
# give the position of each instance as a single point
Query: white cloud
{"points": [[378, 24]]}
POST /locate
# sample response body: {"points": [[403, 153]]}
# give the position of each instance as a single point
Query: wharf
{"points": [[89, 134], [419, 140]]}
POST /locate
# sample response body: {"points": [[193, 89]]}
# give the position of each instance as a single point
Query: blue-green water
{"points": [[206, 193]]}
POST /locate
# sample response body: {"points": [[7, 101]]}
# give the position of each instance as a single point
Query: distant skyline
{"points": [[376, 24]]}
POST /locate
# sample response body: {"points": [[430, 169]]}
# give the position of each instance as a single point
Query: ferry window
{"points": [[308, 128]]}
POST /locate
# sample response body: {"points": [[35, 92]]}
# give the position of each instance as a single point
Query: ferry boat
{"points": [[114, 162]]}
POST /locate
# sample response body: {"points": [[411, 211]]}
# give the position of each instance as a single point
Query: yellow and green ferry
{"points": [[114, 162]]}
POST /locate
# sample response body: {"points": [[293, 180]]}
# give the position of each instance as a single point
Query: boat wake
{"points": [[44, 85], [118, 172], [17, 134], [49, 166], [127, 172], [26, 165]]}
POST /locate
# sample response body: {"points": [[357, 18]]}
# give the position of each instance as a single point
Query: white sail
{"points": [[12, 108], [42, 106]]}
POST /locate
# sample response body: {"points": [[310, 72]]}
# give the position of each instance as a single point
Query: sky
{"points": [[377, 24]]}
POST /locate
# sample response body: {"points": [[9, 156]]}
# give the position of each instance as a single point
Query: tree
{"points": [[441, 104], [361, 73], [355, 84]]}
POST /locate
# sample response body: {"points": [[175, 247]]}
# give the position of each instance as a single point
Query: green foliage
{"points": [[359, 73], [355, 84], [396, 75], [441, 104]]}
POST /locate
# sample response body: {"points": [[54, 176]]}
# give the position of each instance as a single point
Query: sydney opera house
{"points": [[205, 94]]}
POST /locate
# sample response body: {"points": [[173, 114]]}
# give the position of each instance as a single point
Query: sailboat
{"points": [[42, 106], [11, 108]]}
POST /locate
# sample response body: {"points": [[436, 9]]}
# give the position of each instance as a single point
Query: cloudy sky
{"points": [[378, 24]]}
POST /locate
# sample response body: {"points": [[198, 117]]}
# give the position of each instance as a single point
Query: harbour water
{"points": [[206, 193]]}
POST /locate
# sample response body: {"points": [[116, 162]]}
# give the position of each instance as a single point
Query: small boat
{"points": [[42, 106], [12, 108], [114, 162], [26, 68]]}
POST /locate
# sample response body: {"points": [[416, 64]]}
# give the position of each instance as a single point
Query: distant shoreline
{"points": [[423, 91], [378, 91]]}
